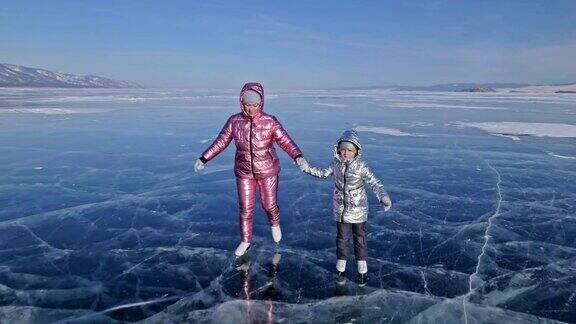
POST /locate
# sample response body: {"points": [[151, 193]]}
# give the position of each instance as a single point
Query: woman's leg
{"points": [[246, 198], [268, 197]]}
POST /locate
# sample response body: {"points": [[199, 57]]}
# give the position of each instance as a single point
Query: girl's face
{"points": [[346, 154], [251, 108]]}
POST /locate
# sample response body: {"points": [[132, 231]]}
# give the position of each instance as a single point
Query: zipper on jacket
{"points": [[344, 193], [250, 144]]}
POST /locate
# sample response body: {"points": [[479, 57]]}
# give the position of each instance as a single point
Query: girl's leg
{"points": [[360, 247], [360, 250], [246, 198], [342, 240]]}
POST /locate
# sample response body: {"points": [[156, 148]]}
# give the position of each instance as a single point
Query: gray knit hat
{"points": [[251, 97], [345, 145]]}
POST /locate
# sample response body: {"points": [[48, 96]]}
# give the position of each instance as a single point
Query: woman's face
{"points": [[251, 108]]}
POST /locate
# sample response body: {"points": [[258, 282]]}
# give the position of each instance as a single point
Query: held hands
{"points": [[386, 203], [302, 164], [198, 166]]}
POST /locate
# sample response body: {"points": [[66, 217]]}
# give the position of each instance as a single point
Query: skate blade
{"points": [[240, 261]]}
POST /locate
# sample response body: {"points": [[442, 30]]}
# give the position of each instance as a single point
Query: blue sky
{"points": [[295, 44]]}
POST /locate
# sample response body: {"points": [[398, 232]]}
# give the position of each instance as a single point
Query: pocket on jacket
{"points": [[357, 196]]}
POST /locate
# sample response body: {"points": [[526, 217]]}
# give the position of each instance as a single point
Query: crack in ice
{"points": [[474, 279], [124, 306], [425, 283]]}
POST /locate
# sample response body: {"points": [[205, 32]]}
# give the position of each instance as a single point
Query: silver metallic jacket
{"points": [[350, 202]]}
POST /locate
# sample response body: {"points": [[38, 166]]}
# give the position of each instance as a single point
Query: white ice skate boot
{"points": [[276, 234], [241, 249], [362, 270], [341, 268]]}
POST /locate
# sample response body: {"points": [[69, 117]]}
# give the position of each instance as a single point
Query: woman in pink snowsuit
{"points": [[256, 163]]}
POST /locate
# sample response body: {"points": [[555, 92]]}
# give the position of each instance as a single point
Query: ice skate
{"points": [[241, 255], [241, 249], [242, 263], [276, 234], [341, 272], [341, 277], [362, 271], [361, 279]]}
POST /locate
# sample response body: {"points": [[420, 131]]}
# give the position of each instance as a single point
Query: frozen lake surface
{"points": [[103, 219]]}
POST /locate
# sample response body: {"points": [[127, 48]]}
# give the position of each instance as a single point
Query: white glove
{"points": [[302, 164], [198, 166], [386, 203]]}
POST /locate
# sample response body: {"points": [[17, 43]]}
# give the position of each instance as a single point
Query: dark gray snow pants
{"points": [[360, 246]]}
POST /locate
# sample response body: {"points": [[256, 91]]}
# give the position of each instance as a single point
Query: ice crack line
{"points": [[475, 281], [474, 276]]}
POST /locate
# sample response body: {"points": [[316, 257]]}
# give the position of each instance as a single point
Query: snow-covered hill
{"points": [[21, 76]]}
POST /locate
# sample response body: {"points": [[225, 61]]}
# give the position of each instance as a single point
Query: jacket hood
{"points": [[349, 136], [254, 86]]}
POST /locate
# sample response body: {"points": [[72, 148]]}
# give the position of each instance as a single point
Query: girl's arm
{"points": [[318, 172], [377, 187]]}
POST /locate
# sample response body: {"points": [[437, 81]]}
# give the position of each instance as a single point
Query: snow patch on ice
{"points": [[544, 88], [514, 138], [429, 105], [384, 131], [217, 168], [562, 156], [422, 124], [518, 128], [53, 111], [329, 104]]}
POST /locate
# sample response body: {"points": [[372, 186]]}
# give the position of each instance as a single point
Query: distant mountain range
{"points": [[478, 87], [21, 76], [461, 86], [443, 87]]}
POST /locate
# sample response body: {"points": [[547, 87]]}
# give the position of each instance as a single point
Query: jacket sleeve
{"points": [[377, 187], [283, 140], [320, 173], [220, 143]]}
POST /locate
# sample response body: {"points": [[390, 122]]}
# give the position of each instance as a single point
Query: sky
{"points": [[295, 44]]}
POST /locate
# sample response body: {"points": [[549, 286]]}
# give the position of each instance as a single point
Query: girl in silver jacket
{"points": [[350, 202]]}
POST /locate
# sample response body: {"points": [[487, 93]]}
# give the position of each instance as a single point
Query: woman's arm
{"points": [[220, 143], [284, 141]]}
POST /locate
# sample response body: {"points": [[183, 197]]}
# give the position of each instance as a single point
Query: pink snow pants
{"points": [[246, 198]]}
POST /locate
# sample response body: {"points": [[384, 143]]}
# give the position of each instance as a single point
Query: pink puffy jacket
{"points": [[254, 137]]}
